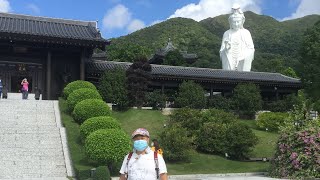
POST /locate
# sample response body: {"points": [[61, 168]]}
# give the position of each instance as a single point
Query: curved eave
{"points": [[94, 43]]}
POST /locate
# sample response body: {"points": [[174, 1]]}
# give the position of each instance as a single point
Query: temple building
{"points": [[159, 56], [48, 52], [273, 86]]}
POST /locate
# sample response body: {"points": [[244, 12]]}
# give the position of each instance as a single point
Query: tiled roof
{"points": [[198, 73], [43, 27]]}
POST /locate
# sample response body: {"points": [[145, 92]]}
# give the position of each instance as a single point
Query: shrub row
{"points": [[211, 131], [104, 140]]}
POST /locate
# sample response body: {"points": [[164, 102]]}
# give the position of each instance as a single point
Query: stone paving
{"points": [[31, 143]]}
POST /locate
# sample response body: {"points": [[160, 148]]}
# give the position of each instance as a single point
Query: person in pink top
{"points": [[25, 88]]}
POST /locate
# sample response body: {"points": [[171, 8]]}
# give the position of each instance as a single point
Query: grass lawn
{"points": [[267, 141], [134, 118], [81, 164], [153, 120], [200, 163]]}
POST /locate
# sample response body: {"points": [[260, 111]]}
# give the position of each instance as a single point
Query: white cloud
{"points": [[120, 17], [135, 25], [210, 8], [306, 7], [34, 8], [5, 6], [117, 17]]}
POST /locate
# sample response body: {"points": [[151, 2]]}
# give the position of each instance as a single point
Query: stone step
{"points": [[30, 140]]}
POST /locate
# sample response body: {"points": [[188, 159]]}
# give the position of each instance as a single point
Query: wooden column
{"points": [[82, 64], [211, 90], [48, 80], [162, 88]]}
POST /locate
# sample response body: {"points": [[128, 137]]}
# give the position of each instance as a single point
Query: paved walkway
{"points": [[230, 176], [32, 140]]}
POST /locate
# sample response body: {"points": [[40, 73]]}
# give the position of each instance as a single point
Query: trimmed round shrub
{"points": [[102, 173], [107, 145], [240, 140], [80, 95], [271, 121], [212, 138], [76, 85], [95, 123], [90, 108], [175, 143]]}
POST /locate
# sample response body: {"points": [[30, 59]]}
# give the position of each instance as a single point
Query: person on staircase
{"points": [[25, 88], [0, 88]]}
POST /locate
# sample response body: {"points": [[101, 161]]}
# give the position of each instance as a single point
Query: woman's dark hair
{"points": [[156, 144]]}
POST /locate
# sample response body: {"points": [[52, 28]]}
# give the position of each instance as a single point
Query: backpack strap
{"points": [[128, 159], [156, 163]]}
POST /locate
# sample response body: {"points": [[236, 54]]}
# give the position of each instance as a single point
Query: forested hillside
{"points": [[277, 43]]}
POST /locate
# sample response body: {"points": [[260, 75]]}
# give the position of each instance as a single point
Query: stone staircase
{"points": [[32, 141]]}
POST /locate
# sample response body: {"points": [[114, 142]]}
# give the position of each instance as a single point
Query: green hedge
{"points": [[102, 173], [76, 85], [80, 95], [96, 123], [90, 108], [108, 145], [271, 121]]}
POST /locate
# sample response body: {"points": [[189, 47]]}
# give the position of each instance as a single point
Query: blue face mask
{"points": [[140, 145]]}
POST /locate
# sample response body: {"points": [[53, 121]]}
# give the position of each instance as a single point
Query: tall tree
{"points": [[191, 95], [112, 87], [138, 78], [310, 62], [247, 99]]}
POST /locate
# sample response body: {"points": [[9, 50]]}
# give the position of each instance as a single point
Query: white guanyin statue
{"points": [[237, 49]]}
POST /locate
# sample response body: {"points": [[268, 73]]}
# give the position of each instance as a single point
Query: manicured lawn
{"points": [[200, 163], [154, 121], [133, 118], [211, 164], [267, 141], [81, 164]]}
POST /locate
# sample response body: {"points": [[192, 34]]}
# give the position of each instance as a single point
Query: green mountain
{"points": [[277, 43]]}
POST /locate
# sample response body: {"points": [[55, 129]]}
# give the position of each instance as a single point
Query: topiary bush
{"points": [[102, 173], [271, 121], [76, 85], [108, 145], [80, 95], [90, 108], [95, 123], [240, 140], [175, 143], [212, 138]]}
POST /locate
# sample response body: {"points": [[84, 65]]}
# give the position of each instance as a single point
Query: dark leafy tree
{"points": [[191, 95], [310, 62], [112, 87], [156, 99], [174, 58], [138, 78], [127, 52], [247, 99]]}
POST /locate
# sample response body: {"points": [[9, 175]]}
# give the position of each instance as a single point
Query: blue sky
{"points": [[121, 17]]}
